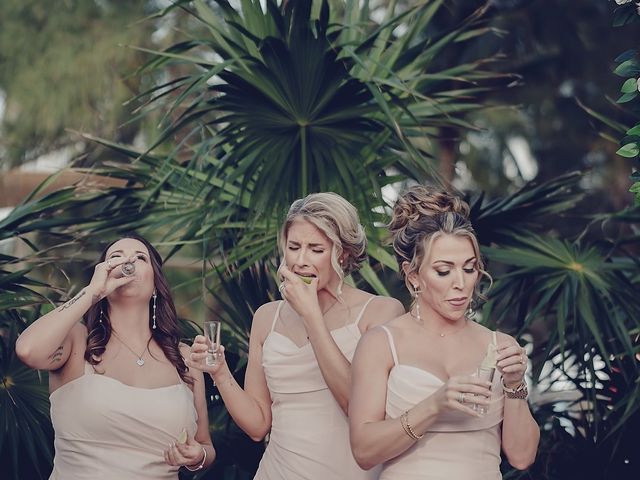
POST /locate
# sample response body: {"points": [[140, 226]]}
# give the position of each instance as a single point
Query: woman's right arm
{"points": [[375, 438], [250, 407], [46, 343]]}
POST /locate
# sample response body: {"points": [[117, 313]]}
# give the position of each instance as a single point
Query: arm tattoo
{"points": [[57, 355], [72, 301]]}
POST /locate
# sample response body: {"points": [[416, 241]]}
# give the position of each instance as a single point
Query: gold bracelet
{"points": [[201, 465], [404, 421]]}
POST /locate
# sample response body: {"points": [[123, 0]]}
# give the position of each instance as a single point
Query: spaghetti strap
{"points": [[361, 314], [275, 317], [495, 338], [392, 346]]}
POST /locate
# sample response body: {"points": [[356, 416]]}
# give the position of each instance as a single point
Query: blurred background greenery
{"points": [[198, 123]]}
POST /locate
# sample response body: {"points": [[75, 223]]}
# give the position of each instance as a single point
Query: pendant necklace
{"points": [[140, 360]]}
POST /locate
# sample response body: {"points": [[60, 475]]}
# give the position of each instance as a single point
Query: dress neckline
{"points": [[118, 382], [306, 344]]}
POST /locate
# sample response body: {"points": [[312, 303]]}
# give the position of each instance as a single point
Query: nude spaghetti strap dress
{"points": [[457, 446], [107, 430], [309, 434]]}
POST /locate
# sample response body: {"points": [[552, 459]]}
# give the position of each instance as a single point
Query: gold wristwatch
{"points": [[520, 391]]}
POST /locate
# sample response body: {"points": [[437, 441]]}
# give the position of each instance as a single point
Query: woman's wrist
{"points": [[200, 464], [93, 294], [222, 374], [512, 385]]}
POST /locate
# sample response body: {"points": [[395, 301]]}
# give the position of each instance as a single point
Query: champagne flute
{"points": [[212, 335]]}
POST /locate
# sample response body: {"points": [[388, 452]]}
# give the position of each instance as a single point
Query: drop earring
{"points": [[155, 296], [339, 291], [101, 315], [416, 292], [471, 310]]}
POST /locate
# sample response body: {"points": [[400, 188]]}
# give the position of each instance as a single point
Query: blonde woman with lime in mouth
{"points": [[298, 379]]}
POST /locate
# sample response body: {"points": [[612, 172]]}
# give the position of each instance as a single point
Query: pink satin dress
{"points": [[457, 446], [107, 430], [309, 437]]}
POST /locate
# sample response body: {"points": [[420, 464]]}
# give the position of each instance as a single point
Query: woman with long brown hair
{"points": [[123, 402]]}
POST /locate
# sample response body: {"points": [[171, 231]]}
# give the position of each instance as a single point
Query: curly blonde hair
{"points": [[421, 215]]}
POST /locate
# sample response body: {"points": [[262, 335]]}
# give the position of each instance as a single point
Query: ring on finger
{"points": [[109, 265], [281, 287], [522, 360], [461, 397]]}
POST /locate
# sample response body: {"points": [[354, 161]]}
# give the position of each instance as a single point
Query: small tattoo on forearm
{"points": [[72, 301], [57, 355]]}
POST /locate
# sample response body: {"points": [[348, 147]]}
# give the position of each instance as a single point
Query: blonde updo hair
{"points": [[423, 214], [339, 221]]}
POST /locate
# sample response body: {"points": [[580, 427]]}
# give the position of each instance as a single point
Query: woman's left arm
{"points": [[520, 432], [197, 452], [334, 366]]}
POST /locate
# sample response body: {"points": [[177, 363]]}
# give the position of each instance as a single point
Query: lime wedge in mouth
{"points": [[306, 280]]}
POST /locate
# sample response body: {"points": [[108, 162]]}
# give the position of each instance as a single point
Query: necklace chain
{"points": [[440, 334], [140, 360]]}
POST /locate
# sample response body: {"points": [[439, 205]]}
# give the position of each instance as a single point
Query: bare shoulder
{"points": [[373, 339], [374, 347], [505, 338], [483, 335], [263, 319], [380, 310]]}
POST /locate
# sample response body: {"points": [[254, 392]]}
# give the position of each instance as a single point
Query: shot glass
{"points": [[212, 334], [125, 270], [486, 374]]}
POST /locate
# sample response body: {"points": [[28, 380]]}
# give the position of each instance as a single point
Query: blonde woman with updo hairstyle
{"points": [[298, 377], [434, 394]]}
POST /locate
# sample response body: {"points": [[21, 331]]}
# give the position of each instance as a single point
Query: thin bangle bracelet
{"points": [[201, 465]]}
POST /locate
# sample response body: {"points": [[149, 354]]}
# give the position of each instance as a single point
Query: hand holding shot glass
{"points": [[212, 336], [485, 371]]}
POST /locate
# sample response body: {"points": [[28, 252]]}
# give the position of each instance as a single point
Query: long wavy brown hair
{"points": [[166, 334]]}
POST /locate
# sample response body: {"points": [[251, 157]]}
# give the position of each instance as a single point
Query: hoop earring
{"points": [[155, 296]]}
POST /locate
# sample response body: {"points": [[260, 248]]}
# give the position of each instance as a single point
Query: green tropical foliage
{"points": [[629, 68], [325, 98]]}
